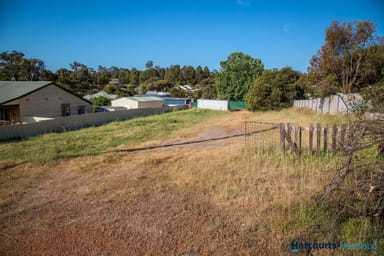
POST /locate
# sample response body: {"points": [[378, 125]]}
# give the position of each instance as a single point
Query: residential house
{"points": [[34, 101]]}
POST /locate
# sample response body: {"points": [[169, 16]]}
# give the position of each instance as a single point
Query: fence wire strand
{"points": [[261, 135]]}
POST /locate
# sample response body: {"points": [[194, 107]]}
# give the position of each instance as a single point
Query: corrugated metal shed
{"points": [[144, 99], [138, 102]]}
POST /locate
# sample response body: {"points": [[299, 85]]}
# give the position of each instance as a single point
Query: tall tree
{"points": [[172, 74], [114, 71], [209, 92], [48, 75], [160, 72], [209, 78], [14, 66], [81, 77], [206, 72], [148, 74], [32, 69], [187, 75], [199, 74], [10, 65], [102, 75], [124, 76], [75, 66], [149, 64], [236, 76], [64, 77], [348, 59], [134, 77], [274, 89]]}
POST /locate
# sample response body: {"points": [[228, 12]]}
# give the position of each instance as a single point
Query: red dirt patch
{"points": [[122, 204], [161, 223]]}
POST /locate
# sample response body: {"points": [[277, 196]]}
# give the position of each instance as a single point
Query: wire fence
{"points": [[262, 135]]}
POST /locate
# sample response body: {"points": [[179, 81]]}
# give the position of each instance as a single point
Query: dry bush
{"points": [[354, 200]]}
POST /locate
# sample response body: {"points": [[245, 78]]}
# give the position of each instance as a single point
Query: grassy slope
{"points": [[97, 140], [222, 200]]}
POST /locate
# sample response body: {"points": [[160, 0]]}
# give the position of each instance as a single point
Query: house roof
{"points": [[14, 90]]}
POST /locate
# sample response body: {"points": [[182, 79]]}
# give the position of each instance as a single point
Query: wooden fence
{"points": [[315, 139], [319, 139], [8, 132]]}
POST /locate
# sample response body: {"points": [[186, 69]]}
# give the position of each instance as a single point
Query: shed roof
{"points": [[14, 90], [145, 99]]}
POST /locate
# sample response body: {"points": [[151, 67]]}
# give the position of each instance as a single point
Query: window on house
{"points": [[65, 109], [81, 110], [4, 114]]}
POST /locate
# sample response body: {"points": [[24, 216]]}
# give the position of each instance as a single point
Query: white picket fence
{"points": [[8, 132]]}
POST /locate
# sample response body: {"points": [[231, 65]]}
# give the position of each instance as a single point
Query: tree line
{"points": [[82, 79], [351, 60]]}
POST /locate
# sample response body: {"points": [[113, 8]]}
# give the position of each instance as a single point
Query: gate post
{"points": [[282, 138]]}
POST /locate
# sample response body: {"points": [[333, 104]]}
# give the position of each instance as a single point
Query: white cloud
{"points": [[244, 3]]}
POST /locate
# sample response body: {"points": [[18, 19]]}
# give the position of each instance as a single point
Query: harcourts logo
{"points": [[297, 246], [358, 246]]}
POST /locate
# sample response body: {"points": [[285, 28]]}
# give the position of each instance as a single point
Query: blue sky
{"points": [[185, 32]]}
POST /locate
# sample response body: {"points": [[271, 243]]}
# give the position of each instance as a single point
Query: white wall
{"points": [[334, 104], [125, 102], [8, 132], [213, 104], [133, 104]]}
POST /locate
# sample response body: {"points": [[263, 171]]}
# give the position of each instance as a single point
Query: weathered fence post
{"points": [[325, 138], [282, 138], [288, 135], [300, 139], [297, 130], [318, 135], [334, 138], [342, 136], [310, 143]]}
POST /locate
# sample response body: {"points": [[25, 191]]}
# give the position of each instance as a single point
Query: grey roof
{"points": [[13, 90], [149, 98]]}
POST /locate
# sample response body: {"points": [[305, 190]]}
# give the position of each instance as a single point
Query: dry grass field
{"points": [[218, 197]]}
